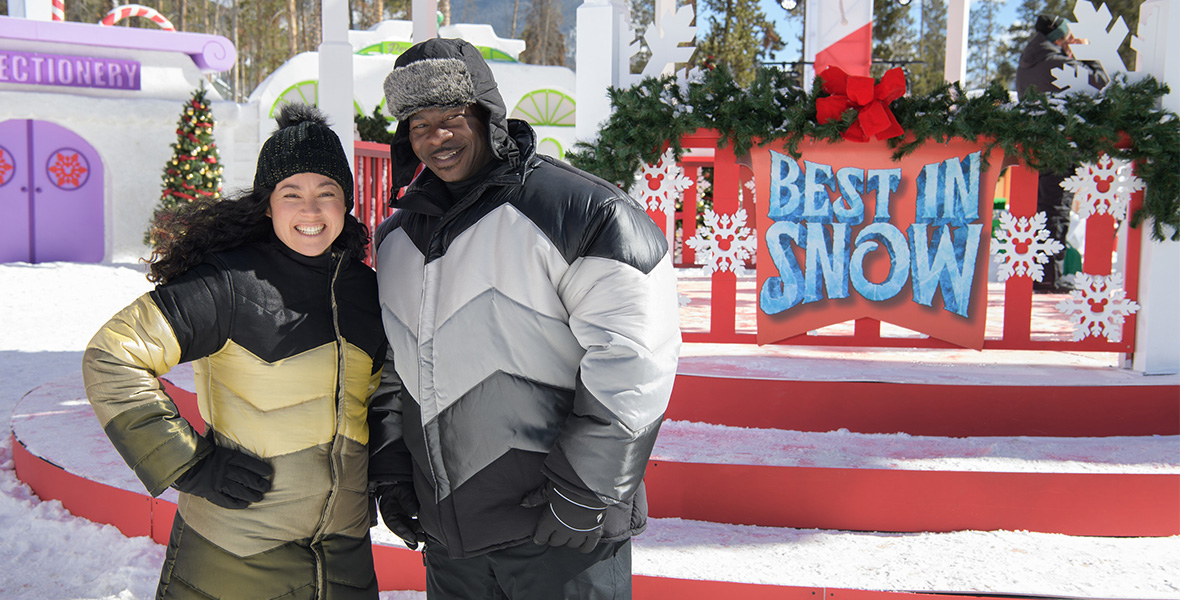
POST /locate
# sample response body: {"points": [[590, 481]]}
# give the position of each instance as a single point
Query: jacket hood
{"points": [[449, 72], [421, 197]]}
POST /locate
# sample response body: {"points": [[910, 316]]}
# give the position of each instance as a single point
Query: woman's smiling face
{"points": [[307, 210]]}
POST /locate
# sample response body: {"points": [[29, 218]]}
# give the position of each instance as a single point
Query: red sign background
{"points": [[901, 309]]}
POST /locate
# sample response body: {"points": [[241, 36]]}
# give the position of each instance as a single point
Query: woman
{"points": [[267, 295]]}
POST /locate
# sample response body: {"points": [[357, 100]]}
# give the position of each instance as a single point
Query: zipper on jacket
{"points": [[335, 265]]}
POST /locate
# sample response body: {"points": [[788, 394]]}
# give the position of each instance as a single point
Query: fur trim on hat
{"points": [[428, 83]]}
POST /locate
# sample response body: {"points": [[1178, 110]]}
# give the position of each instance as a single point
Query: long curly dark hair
{"points": [[185, 236]]}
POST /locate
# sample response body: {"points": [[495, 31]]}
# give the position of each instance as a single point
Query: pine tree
{"points": [[740, 36], [930, 74], [194, 171], [374, 128], [984, 44], [544, 42], [893, 36]]}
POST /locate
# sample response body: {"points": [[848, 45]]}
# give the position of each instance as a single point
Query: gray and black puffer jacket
{"points": [[533, 325]]}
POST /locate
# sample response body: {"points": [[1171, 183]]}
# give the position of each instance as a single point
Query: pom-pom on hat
{"points": [[303, 143], [1052, 27]]}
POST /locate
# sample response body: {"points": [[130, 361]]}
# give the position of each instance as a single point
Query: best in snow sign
{"points": [[850, 233]]}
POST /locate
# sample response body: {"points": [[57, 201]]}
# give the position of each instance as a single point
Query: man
{"points": [[532, 316], [1049, 49]]}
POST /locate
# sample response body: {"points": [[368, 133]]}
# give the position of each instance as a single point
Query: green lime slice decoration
{"points": [[546, 107]]}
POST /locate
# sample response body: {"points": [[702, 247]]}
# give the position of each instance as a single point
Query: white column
{"points": [[335, 86], [424, 15], [811, 11], [34, 10], [661, 9], [1157, 334], [598, 65], [955, 68]]}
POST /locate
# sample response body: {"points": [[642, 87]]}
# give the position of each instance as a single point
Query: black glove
{"points": [[228, 478], [399, 509], [568, 520]]}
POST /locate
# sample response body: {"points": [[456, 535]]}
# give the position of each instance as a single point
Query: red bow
{"points": [[870, 100]]}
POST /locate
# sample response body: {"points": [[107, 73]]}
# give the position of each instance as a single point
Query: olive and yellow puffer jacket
{"points": [[287, 350]]}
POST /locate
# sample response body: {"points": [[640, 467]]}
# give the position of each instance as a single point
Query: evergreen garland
{"points": [[194, 171], [1047, 132]]}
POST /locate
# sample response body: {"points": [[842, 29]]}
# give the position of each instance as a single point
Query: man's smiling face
{"points": [[451, 142]]}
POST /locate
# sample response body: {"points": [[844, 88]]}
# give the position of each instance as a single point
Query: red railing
{"points": [[722, 306], [372, 183]]}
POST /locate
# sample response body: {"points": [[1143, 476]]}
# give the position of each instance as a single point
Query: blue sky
{"points": [[789, 31]]}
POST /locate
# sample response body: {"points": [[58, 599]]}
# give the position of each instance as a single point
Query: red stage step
{"points": [[957, 393], [1120, 504]]}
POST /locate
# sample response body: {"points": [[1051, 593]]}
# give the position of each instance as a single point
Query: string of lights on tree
{"points": [[194, 171]]}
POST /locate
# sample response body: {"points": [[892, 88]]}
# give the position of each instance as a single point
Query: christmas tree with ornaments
{"points": [[194, 171]]}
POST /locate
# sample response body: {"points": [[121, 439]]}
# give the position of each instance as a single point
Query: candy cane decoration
{"points": [[59, 10], [137, 10]]}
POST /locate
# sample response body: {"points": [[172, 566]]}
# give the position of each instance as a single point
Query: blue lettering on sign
{"points": [[815, 207]]}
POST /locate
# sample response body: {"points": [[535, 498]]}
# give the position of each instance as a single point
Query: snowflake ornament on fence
{"points": [[665, 46], [1023, 247], [1103, 188], [1071, 79], [725, 243], [1103, 34], [1098, 307], [659, 186], [749, 186]]}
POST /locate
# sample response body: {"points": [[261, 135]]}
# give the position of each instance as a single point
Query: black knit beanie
{"points": [[1052, 27], [303, 143]]}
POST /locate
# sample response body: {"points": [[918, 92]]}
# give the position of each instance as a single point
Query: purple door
{"points": [[51, 194]]}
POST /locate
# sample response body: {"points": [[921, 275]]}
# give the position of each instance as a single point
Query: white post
{"points": [[811, 10], [424, 14], [34, 10], [661, 9], [1157, 333], [955, 68], [335, 85], [598, 66]]}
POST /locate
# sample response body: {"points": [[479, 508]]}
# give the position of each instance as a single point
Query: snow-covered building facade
{"points": [[88, 114]]}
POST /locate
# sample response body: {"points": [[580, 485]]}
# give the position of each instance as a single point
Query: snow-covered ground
{"points": [[48, 312]]}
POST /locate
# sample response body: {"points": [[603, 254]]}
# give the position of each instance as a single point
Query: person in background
{"points": [[532, 315], [1049, 49], [266, 293]]}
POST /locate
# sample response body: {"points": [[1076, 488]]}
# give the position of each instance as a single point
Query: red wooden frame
{"points": [[707, 150]]}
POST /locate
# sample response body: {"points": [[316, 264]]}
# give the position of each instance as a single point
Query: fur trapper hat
{"points": [[303, 143], [428, 83], [443, 73]]}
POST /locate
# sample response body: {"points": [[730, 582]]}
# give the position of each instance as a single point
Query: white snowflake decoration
{"points": [[749, 186], [724, 242], [660, 185], [1098, 307], [665, 46], [1103, 188], [1104, 36], [1071, 79], [1023, 247]]}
